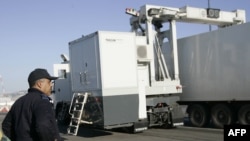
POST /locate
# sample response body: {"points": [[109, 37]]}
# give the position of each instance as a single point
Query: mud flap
{"points": [[140, 126]]}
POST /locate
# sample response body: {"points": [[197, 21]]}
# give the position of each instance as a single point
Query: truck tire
{"points": [[62, 118], [198, 115], [221, 115], [244, 115]]}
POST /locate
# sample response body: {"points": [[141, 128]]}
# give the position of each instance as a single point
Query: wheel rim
{"points": [[244, 115], [248, 117], [221, 115], [198, 117]]}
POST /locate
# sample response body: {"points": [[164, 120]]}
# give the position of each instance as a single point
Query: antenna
{"points": [[64, 58]]}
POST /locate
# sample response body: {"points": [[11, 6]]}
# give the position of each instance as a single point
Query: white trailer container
{"points": [[214, 72], [104, 63]]}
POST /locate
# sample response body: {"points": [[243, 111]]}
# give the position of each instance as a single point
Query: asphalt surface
{"points": [[180, 133]]}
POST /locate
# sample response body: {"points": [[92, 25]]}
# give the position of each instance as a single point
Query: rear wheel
{"points": [[198, 115], [221, 115], [244, 115], [62, 115]]}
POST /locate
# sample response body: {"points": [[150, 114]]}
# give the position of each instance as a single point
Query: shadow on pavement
{"points": [[85, 131]]}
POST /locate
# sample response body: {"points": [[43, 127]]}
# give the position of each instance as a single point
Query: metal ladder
{"points": [[76, 115]]}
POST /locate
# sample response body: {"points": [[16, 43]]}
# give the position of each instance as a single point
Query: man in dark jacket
{"points": [[31, 117]]}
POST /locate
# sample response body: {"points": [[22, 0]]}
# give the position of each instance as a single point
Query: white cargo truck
{"points": [[129, 79], [214, 72]]}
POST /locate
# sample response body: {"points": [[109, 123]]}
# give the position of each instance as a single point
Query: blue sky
{"points": [[33, 33]]}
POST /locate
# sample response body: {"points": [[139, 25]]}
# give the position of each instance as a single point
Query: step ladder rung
{"points": [[76, 110], [77, 102]]}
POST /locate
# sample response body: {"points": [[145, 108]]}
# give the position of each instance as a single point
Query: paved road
{"points": [[181, 133]]}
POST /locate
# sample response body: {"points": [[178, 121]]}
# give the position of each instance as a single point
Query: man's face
{"points": [[46, 86]]}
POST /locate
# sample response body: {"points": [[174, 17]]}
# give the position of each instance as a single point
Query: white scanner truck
{"points": [[133, 80]]}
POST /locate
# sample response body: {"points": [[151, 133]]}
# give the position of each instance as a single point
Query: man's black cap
{"points": [[39, 74]]}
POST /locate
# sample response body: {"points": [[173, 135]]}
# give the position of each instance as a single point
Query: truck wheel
{"points": [[198, 115], [221, 115], [62, 117], [244, 115]]}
